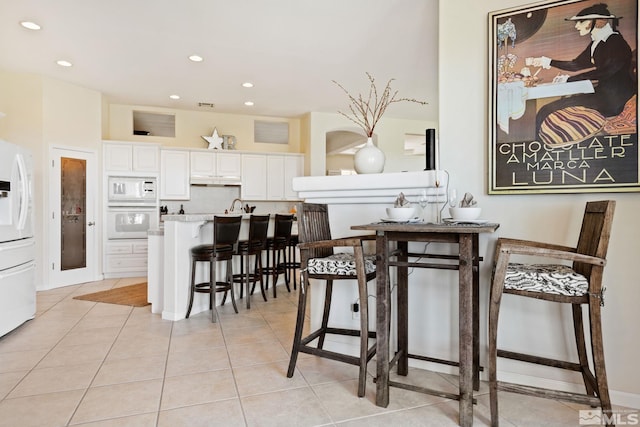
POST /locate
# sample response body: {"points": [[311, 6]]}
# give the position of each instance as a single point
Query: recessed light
{"points": [[249, 103], [174, 96], [64, 63], [196, 58], [30, 25], [247, 84]]}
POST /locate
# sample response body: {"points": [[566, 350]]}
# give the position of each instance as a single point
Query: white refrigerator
{"points": [[17, 243]]}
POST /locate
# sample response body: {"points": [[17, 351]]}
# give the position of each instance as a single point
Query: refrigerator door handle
{"points": [[24, 193]]}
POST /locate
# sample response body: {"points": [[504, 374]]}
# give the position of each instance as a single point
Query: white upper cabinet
{"points": [[131, 158], [275, 177], [254, 177], [215, 166], [174, 175], [203, 163], [293, 168], [269, 176], [229, 165]]}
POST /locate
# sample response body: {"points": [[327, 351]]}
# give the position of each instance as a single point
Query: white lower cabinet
{"points": [[125, 257]]}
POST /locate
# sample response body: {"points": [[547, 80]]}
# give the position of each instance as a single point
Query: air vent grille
{"points": [[206, 104], [271, 132]]}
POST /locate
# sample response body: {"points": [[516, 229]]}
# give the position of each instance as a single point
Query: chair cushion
{"points": [[342, 264], [570, 125], [545, 278]]}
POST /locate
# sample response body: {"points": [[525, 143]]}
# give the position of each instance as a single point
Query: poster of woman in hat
{"points": [[564, 97]]}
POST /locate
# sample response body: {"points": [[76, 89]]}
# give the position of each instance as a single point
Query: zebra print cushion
{"points": [[546, 278], [341, 264]]}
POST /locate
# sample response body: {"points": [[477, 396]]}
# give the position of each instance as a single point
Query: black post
{"points": [[430, 150]]}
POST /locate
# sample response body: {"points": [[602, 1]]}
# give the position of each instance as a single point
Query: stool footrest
{"points": [[340, 357], [335, 331], [204, 286], [554, 363], [425, 390], [436, 360], [547, 393]]}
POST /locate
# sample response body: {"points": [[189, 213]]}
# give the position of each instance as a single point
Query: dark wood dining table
{"points": [[466, 261]]}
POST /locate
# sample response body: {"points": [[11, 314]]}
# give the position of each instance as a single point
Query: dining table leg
{"points": [[476, 313], [466, 326], [402, 328], [383, 317]]}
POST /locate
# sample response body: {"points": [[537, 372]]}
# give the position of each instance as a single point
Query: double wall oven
{"points": [[132, 207]]}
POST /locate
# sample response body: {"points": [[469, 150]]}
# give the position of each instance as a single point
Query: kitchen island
{"points": [[169, 274]]}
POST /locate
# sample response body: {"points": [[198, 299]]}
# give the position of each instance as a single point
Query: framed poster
{"points": [[563, 98]]}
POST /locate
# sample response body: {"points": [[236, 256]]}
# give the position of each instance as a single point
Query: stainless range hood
{"points": [[213, 181]]}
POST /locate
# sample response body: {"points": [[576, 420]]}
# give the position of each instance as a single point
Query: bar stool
{"points": [[277, 248], [253, 246], [321, 263], [576, 285], [226, 230], [291, 264]]}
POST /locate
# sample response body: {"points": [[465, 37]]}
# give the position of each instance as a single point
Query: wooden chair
{"points": [[254, 245], [578, 284], [226, 230], [319, 261]]}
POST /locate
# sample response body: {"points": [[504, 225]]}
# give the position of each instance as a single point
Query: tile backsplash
{"points": [[217, 199]]}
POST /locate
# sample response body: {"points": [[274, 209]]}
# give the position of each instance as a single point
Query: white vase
{"points": [[369, 159]]}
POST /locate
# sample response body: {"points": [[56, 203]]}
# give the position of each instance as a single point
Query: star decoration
{"points": [[215, 141]]}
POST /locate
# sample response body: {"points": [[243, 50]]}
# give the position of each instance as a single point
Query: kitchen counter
{"points": [[203, 216], [170, 261]]}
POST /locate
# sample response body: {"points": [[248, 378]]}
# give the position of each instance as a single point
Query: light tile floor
{"points": [[94, 364]]}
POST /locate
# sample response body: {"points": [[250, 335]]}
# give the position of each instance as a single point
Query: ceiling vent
{"points": [[206, 104], [271, 132]]}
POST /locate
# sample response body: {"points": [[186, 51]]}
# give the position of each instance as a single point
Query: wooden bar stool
{"points": [[579, 284], [277, 250], [226, 230], [253, 246], [319, 261]]}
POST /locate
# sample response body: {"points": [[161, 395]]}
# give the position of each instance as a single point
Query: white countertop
{"points": [[199, 216], [195, 217]]}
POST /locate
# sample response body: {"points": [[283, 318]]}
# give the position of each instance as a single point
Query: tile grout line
{"points": [[101, 363]]}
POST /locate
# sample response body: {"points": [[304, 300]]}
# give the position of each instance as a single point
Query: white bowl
{"points": [[404, 213], [461, 214]]}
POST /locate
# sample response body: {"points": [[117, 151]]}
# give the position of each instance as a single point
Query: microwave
{"points": [[132, 191]]}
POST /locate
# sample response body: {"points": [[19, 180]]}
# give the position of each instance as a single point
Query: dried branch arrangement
{"points": [[366, 112]]}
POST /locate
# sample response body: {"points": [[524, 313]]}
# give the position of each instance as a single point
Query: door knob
{"points": [[91, 223]]}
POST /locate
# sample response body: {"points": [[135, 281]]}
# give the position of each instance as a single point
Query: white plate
{"points": [[400, 220], [465, 221]]}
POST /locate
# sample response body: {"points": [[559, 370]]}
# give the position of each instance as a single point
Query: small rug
{"points": [[135, 295]]}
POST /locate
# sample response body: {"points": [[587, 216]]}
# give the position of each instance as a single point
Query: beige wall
{"points": [[531, 325], [390, 132], [191, 125], [41, 113]]}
